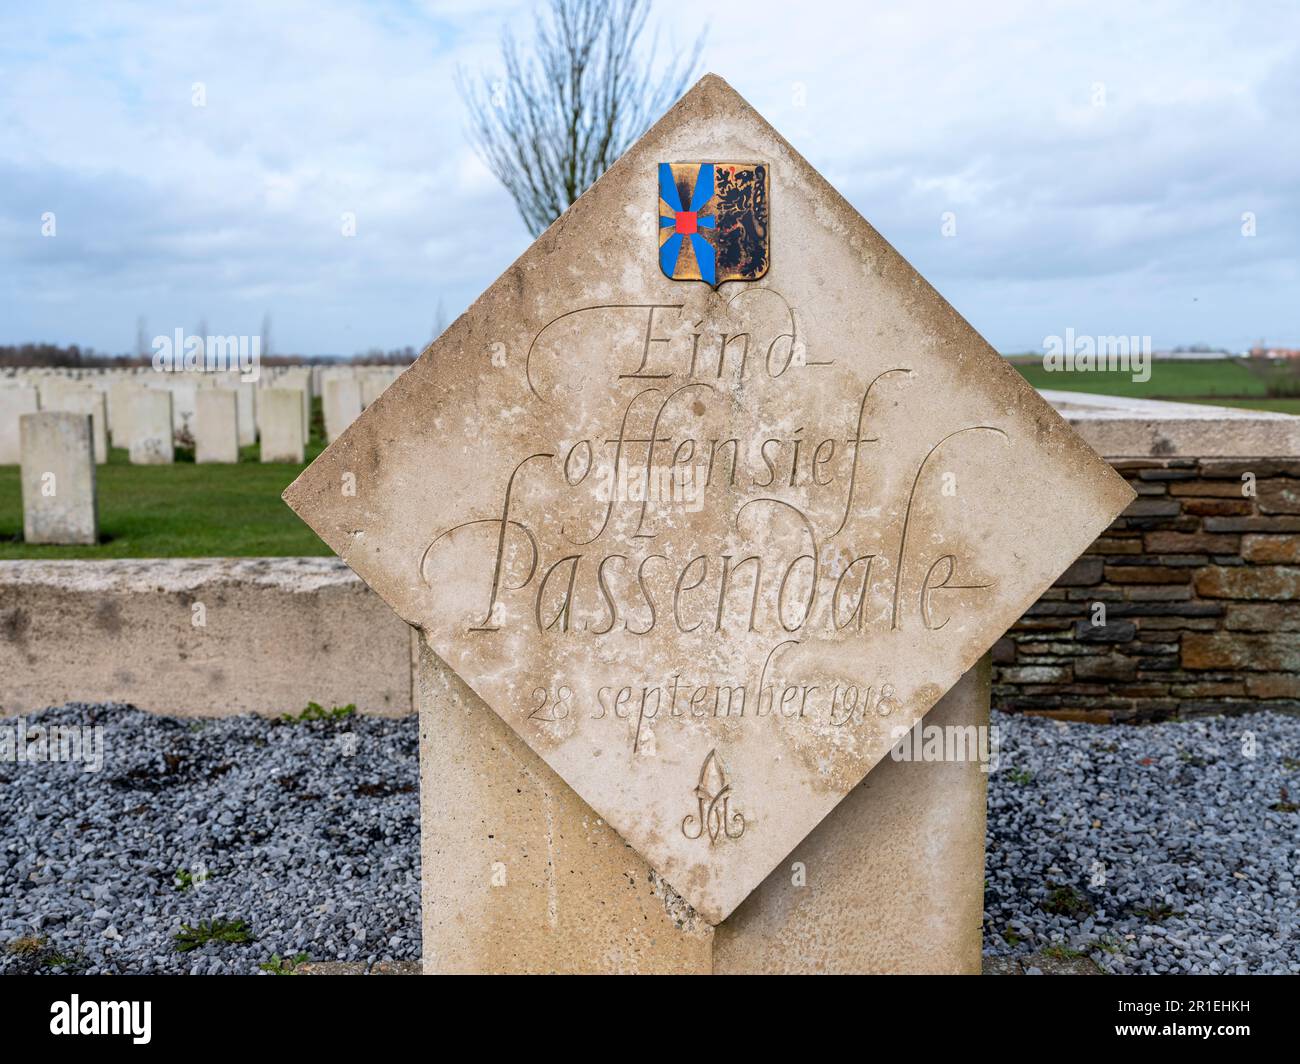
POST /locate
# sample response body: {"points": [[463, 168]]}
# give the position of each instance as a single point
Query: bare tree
{"points": [[565, 111]]}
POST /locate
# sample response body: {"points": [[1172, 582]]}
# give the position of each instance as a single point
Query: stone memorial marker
{"points": [[711, 498], [118, 397], [300, 379], [184, 406], [216, 425], [373, 384], [58, 478], [149, 416], [281, 411], [342, 403], [247, 392], [85, 400], [54, 389], [14, 402]]}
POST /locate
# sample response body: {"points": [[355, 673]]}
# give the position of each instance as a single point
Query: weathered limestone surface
{"points": [[199, 636], [247, 393], [281, 413], [519, 874], [216, 426], [150, 426], [892, 881], [14, 402], [89, 401], [58, 478]]}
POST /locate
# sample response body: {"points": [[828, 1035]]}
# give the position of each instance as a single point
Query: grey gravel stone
{"points": [[1156, 848], [1162, 848], [275, 824]]}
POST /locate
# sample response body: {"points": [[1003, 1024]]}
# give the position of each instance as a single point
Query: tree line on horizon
{"points": [[74, 356]]}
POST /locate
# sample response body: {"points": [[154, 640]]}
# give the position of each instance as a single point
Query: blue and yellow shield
{"points": [[713, 221]]}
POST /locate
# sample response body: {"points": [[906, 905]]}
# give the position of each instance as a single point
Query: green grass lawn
{"points": [[1226, 382], [179, 511], [1169, 380]]}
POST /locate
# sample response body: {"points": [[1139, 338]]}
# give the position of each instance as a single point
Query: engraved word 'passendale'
{"points": [[713, 221]]}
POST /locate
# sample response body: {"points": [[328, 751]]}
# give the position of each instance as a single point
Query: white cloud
{"points": [[1122, 216]]}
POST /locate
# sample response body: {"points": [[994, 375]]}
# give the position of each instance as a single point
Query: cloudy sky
{"points": [[1098, 157]]}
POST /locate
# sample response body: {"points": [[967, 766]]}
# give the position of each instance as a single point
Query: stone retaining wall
{"points": [[1200, 584]]}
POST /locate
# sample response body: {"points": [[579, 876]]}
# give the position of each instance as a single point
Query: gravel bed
{"points": [[308, 832], [1163, 848], [1160, 848]]}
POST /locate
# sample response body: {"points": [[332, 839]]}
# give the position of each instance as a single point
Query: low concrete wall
{"points": [[1148, 428], [274, 634]]}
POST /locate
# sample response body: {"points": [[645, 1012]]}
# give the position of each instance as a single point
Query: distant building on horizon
{"points": [[1262, 350]]}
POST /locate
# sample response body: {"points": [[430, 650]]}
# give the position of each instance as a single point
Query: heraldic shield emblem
{"points": [[713, 221]]}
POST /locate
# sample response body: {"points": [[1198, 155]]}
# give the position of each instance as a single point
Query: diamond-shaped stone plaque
{"points": [[710, 551]]}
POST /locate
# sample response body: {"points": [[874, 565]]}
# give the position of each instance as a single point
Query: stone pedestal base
{"points": [[520, 875]]}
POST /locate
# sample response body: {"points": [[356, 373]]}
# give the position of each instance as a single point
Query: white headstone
{"points": [[119, 411], [299, 377], [246, 392], [342, 403], [282, 413], [92, 402], [373, 384], [184, 405], [14, 402], [58, 478], [151, 441], [216, 426]]}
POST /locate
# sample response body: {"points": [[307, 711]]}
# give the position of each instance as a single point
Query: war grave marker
{"points": [[216, 425], [58, 478], [14, 402], [281, 413], [150, 426]]}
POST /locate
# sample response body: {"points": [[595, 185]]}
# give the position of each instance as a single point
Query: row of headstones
{"points": [[59, 449], [59, 429], [219, 414]]}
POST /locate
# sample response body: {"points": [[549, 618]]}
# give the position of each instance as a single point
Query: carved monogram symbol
{"points": [[713, 792]]}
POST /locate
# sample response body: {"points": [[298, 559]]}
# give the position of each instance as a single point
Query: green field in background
{"points": [[1223, 381], [1169, 380]]}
